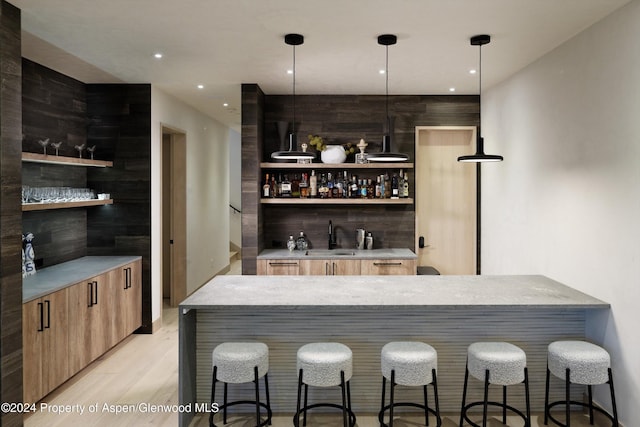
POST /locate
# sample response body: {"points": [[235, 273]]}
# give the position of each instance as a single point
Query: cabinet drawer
{"points": [[277, 267], [386, 267]]}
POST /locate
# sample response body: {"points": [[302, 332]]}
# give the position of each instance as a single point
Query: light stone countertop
{"points": [[353, 292], [391, 253], [60, 276]]}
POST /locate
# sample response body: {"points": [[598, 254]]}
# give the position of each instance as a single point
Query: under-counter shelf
{"points": [[330, 201], [390, 165], [64, 205], [63, 160]]}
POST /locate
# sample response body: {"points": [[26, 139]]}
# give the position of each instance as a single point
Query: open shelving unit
{"points": [[63, 160]]}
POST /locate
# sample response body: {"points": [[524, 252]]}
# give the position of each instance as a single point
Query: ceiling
{"points": [[221, 44]]}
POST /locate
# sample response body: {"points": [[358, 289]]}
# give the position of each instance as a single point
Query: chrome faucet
{"points": [[332, 236]]}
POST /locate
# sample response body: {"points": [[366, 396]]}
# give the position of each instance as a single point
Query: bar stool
{"points": [[409, 363], [578, 362], [325, 364], [500, 363], [237, 363]]}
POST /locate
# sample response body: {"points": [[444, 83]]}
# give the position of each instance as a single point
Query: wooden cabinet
{"points": [[45, 344], [277, 267], [384, 267], [65, 331], [329, 267]]}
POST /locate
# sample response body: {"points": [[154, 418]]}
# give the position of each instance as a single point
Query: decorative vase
{"points": [[333, 154]]}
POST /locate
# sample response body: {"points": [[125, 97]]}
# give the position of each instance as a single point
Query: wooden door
{"points": [[32, 338], [79, 327], [345, 267], [446, 199], [132, 310], [55, 346]]}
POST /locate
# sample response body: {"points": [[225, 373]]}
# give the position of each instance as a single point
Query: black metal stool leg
{"points": [[296, 420], [526, 396], [567, 392], [255, 379], [590, 393], [504, 404], [384, 386], [613, 400], [224, 412], [306, 395], [435, 393], [393, 384], [343, 387], [546, 398], [486, 398], [464, 394], [426, 411], [214, 379], [266, 390]]}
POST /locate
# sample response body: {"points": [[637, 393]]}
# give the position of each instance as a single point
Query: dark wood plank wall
{"points": [[339, 119], [120, 127], [10, 212]]}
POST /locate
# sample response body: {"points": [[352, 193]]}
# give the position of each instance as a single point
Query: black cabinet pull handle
{"points": [[40, 308], [90, 294], [130, 282], [48, 303], [95, 282], [283, 263], [386, 264]]}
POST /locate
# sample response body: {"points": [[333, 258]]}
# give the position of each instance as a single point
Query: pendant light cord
{"points": [[386, 74], [293, 124], [480, 86]]}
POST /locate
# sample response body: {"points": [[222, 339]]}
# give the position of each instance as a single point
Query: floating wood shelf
{"points": [[64, 205], [379, 165], [297, 201], [63, 160]]}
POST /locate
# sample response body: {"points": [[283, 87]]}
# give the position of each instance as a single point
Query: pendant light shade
{"points": [[292, 154], [385, 155], [480, 156]]}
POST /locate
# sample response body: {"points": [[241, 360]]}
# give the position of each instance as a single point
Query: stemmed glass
{"points": [[80, 148], [43, 143], [91, 150], [56, 145]]}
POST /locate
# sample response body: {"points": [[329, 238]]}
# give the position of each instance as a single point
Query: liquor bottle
{"points": [[286, 187], [295, 186], [354, 190], [363, 188], [400, 183], [378, 188], [394, 187], [382, 187], [279, 182], [301, 242], [304, 186], [387, 185], [405, 188], [322, 188], [274, 187], [266, 188], [291, 244], [329, 185], [345, 185], [313, 184], [371, 192]]}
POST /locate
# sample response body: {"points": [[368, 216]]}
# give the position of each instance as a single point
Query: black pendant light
{"points": [[479, 156], [293, 40], [386, 155]]}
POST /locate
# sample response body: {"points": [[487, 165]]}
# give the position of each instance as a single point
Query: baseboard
{"points": [[156, 326]]}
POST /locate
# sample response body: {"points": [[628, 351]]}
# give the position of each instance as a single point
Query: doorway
{"points": [[446, 194], [174, 218]]}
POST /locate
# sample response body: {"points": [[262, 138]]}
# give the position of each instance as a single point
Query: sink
{"points": [[330, 252]]}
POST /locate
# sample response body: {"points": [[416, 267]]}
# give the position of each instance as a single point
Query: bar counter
{"points": [[366, 312]]}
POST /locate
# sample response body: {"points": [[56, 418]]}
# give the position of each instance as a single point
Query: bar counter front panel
{"points": [[366, 312]]}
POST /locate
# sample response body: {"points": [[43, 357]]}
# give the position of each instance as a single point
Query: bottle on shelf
{"points": [[400, 183], [370, 189], [405, 188], [304, 186], [313, 184], [295, 186], [274, 187], [378, 189], [286, 187], [329, 185], [387, 186], [345, 185], [394, 187], [266, 188], [354, 190], [363, 188]]}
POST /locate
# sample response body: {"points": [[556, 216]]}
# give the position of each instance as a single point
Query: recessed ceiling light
{"points": [[473, 71], [157, 55], [289, 71], [226, 104], [200, 86], [381, 71], [452, 89]]}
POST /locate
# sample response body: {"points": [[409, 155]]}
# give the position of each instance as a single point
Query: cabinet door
{"points": [[32, 338], [80, 326], [329, 267], [45, 345], [129, 291], [275, 267], [385, 267]]}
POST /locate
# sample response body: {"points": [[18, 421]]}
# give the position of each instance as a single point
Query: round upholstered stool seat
{"points": [[578, 362], [324, 364], [237, 363], [498, 363], [412, 362], [408, 363], [504, 361], [587, 362]]}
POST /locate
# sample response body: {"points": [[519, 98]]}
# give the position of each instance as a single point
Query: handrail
{"points": [[235, 209]]}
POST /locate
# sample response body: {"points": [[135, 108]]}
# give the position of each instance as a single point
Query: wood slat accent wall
{"points": [[338, 119], [449, 331], [120, 125], [10, 212]]}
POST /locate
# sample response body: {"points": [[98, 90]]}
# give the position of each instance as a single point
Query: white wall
{"points": [[566, 201], [207, 192], [235, 187]]}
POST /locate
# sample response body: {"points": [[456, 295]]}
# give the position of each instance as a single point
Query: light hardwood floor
{"points": [[143, 369]]}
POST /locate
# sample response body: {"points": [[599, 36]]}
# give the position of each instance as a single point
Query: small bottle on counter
{"points": [[291, 244], [368, 241], [301, 242]]}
